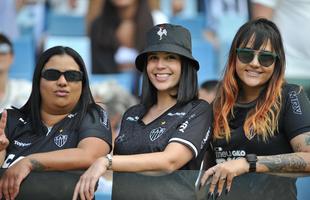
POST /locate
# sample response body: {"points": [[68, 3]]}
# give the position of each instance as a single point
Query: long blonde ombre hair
{"points": [[263, 118]]}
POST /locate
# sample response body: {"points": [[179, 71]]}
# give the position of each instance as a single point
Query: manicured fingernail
{"points": [[209, 194], [212, 196], [226, 191], [217, 195]]}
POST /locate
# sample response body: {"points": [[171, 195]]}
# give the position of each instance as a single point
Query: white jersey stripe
{"points": [[186, 142]]}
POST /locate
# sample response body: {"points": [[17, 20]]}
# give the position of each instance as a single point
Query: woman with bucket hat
{"points": [[166, 132]]}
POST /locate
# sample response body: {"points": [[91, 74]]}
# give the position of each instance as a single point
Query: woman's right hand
{"points": [[85, 188], [4, 142]]}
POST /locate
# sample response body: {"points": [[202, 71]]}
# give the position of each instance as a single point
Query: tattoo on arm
{"points": [[297, 147], [284, 163], [307, 139], [36, 165]]}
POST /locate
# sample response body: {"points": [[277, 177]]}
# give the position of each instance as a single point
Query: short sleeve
{"points": [[96, 124], [195, 130], [296, 117], [269, 3]]}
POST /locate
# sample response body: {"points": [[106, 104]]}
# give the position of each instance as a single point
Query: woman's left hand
{"points": [[224, 172], [12, 178], [85, 188]]}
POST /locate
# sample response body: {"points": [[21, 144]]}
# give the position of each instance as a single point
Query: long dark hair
{"points": [[187, 88], [109, 21], [33, 104]]}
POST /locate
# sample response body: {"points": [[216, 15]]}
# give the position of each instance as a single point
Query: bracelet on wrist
{"points": [[109, 158]]}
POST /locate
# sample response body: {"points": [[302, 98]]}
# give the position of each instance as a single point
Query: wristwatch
{"points": [[109, 157], [251, 159]]}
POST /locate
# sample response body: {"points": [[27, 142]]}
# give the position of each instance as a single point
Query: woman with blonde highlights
{"points": [[261, 123]]}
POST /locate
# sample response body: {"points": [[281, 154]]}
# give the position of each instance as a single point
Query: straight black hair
{"points": [[6, 40], [33, 104]]}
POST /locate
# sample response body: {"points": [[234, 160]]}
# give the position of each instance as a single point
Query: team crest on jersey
{"points": [[162, 31], [104, 119], [156, 133], [60, 140], [295, 103]]}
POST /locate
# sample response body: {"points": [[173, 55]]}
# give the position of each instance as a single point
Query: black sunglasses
{"points": [[264, 58], [54, 74]]}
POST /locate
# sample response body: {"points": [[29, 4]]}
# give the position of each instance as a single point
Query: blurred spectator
{"points": [[158, 16], [223, 19], [94, 10], [31, 20], [69, 7], [118, 34], [208, 90], [13, 92], [292, 17], [116, 100], [8, 24], [177, 7]]}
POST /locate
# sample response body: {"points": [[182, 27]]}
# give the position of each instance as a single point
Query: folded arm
{"points": [[292, 162], [87, 151], [81, 157]]}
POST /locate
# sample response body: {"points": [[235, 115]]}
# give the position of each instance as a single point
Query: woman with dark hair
{"points": [[119, 31], [59, 128], [261, 123], [166, 132]]}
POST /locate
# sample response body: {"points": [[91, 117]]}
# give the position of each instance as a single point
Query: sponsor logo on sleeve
{"points": [[295, 103], [104, 119], [60, 140], [205, 139], [156, 133]]}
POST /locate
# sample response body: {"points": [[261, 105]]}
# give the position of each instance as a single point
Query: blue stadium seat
{"points": [[302, 184], [206, 56], [24, 58], [194, 24], [65, 25]]}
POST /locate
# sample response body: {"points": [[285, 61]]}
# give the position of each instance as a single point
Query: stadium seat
{"points": [[205, 54], [24, 58], [194, 24], [65, 25]]}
